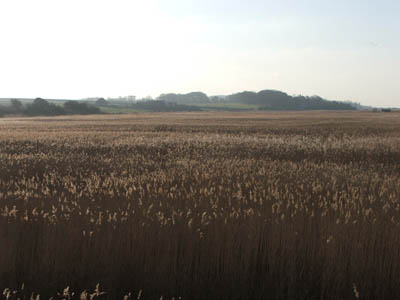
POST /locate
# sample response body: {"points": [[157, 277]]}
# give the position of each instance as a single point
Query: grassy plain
{"points": [[257, 205]]}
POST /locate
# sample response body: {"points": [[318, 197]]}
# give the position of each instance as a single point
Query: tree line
{"points": [[163, 106], [42, 107], [277, 100], [265, 100], [194, 101]]}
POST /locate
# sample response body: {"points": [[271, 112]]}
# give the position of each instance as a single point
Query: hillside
{"points": [[262, 100], [277, 100]]}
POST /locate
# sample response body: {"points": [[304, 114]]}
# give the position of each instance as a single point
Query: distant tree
{"points": [[16, 105], [214, 99], [2, 111], [40, 102], [190, 98], [163, 106], [41, 107], [243, 97], [171, 97], [101, 102], [277, 100], [75, 107], [196, 97]]}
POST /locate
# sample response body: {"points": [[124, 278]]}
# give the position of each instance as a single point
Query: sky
{"points": [[71, 49]]}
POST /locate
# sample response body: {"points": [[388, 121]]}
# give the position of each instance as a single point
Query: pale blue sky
{"points": [[348, 50]]}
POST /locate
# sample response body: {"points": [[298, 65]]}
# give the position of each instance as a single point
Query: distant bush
{"points": [[163, 106], [79, 108], [190, 98], [17, 105], [41, 107], [15, 108], [101, 102], [277, 100], [4, 110]]}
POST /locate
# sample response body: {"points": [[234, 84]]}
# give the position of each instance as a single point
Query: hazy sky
{"points": [[338, 49]]}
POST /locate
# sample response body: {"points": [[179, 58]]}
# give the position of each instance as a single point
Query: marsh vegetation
{"points": [[202, 205]]}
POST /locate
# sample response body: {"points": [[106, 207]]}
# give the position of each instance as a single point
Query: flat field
{"points": [[257, 205]]}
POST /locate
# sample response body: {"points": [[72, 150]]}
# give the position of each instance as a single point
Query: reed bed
{"points": [[201, 206]]}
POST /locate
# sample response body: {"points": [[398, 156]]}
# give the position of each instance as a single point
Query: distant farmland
{"points": [[203, 205]]}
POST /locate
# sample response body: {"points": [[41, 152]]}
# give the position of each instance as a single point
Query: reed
{"points": [[201, 206]]}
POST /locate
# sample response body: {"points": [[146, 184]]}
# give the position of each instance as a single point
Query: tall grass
{"points": [[202, 206]]}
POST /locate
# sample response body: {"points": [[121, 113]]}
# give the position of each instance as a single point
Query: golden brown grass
{"points": [[202, 205]]}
